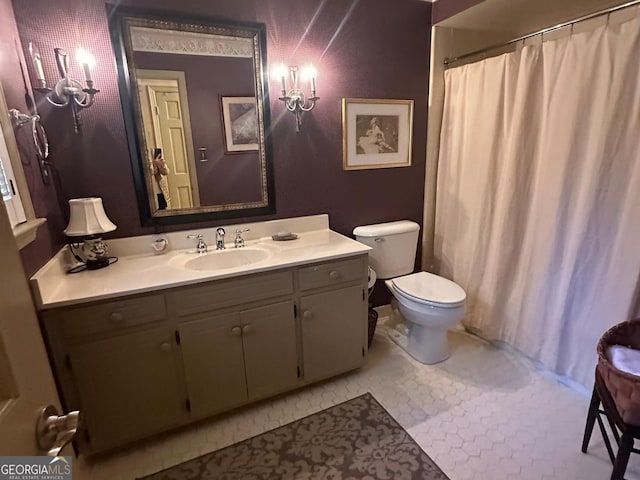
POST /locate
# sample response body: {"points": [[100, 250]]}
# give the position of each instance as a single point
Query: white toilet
{"points": [[429, 304]]}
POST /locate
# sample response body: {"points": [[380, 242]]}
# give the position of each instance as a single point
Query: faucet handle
{"points": [[239, 241], [202, 246], [220, 231]]}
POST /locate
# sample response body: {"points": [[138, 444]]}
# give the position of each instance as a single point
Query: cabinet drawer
{"points": [[226, 293], [113, 316], [325, 274]]}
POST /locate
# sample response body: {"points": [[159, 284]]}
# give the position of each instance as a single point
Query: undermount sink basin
{"points": [[225, 259]]}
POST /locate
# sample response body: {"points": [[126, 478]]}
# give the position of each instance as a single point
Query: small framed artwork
{"points": [[240, 123], [376, 133]]}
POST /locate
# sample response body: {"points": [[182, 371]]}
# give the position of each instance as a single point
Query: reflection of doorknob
{"points": [[53, 431]]}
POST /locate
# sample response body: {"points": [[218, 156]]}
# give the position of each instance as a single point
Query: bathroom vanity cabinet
{"points": [[238, 340], [139, 365]]}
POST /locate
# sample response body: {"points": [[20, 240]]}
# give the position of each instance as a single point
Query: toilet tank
{"points": [[394, 246]]}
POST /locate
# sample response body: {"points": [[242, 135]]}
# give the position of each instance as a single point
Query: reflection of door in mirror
{"points": [[218, 60], [166, 123]]}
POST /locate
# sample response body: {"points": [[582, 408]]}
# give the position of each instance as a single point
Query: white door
{"points": [[170, 121], [26, 381], [167, 125]]}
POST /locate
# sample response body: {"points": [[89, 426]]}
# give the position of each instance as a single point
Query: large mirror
{"points": [[196, 109]]}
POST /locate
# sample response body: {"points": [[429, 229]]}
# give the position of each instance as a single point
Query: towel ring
{"points": [[40, 137], [38, 133]]}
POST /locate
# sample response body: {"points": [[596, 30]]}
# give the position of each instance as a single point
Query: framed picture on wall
{"points": [[240, 123], [376, 133]]}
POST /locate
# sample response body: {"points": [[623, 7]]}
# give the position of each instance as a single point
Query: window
{"points": [[8, 188], [13, 184]]}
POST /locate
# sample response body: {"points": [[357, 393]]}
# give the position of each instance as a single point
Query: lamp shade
{"points": [[87, 217]]}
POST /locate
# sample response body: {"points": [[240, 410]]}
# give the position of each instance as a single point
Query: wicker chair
{"points": [[619, 394]]}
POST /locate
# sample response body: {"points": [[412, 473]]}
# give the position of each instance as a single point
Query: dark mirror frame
{"points": [[119, 19]]}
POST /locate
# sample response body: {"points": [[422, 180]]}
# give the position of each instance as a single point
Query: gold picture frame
{"points": [[376, 133]]}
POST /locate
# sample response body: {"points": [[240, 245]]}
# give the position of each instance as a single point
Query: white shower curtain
{"points": [[538, 196]]}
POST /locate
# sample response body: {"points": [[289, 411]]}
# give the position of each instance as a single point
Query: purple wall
{"points": [[50, 237], [241, 171], [444, 9], [342, 39]]}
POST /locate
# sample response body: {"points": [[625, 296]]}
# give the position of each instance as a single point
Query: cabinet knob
{"points": [[116, 317], [247, 329], [334, 275], [307, 314], [236, 331], [165, 347]]}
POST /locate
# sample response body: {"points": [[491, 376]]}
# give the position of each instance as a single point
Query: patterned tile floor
{"points": [[484, 414]]}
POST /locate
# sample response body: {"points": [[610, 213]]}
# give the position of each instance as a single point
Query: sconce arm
{"points": [[85, 101], [67, 99], [311, 105]]}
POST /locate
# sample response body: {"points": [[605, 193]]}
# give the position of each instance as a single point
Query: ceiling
{"points": [[523, 16]]}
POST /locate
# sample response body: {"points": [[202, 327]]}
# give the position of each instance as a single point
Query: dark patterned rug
{"points": [[357, 439]]}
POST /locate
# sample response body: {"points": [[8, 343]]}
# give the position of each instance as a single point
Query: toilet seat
{"points": [[429, 289]]}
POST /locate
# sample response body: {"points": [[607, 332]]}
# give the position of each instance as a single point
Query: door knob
{"points": [[165, 347], [236, 331], [307, 314], [334, 275], [247, 329], [53, 431], [116, 317]]}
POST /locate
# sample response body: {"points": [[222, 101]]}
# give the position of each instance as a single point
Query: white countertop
{"points": [[137, 272]]}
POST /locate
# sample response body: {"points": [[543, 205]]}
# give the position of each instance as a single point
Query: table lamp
{"points": [[87, 222]]}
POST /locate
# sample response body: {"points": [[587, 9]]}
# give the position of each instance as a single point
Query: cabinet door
{"points": [[213, 363], [128, 386], [270, 352], [333, 332]]}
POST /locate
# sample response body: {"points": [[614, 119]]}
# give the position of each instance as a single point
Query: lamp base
{"points": [[98, 263], [93, 264]]}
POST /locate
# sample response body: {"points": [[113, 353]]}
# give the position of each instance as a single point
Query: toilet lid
{"points": [[429, 288]]}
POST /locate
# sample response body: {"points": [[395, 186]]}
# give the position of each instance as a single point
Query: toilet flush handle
{"points": [[379, 239]]}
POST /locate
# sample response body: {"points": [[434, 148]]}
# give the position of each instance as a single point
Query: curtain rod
{"points": [[607, 11]]}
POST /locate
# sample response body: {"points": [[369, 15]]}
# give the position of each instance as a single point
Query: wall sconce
{"points": [[67, 92], [294, 99]]}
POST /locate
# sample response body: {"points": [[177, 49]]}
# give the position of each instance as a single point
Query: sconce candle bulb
{"points": [[37, 63], [310, 73], [67, 92], [280, 72], [87, 61], [294, 99]]}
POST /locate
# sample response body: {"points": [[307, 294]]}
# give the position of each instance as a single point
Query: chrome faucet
{"points": [[220, 233], [201, 247], [239, 241]]}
